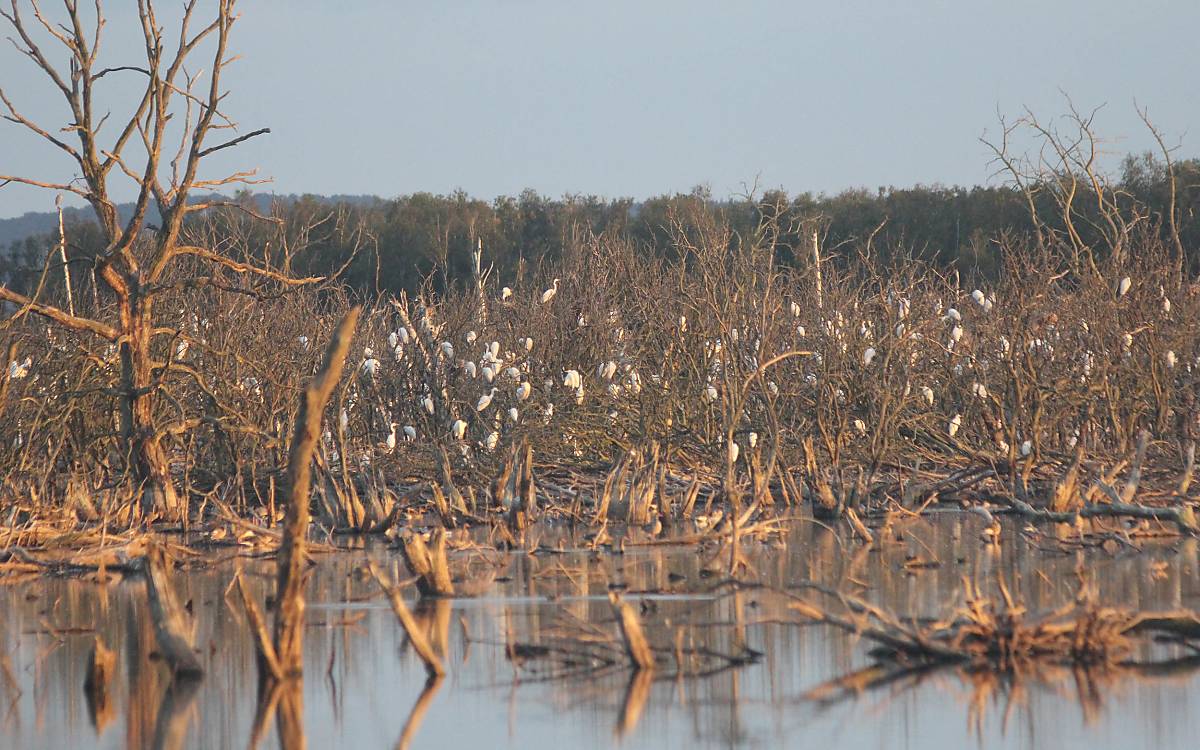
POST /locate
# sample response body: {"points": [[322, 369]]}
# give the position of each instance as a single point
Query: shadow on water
{"points": [[537, 660]]}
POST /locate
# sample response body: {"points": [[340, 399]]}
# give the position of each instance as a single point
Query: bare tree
{"points": [[159, 145]]}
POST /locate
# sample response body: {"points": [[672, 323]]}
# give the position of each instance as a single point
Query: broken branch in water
{"points": [[433, 665], [171, 627]]}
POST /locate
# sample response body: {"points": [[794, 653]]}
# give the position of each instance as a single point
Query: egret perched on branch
{"points": [[734, 450], [927, 394], [955, 423], [458, 429], [513, 414], [1123, 286], [505, 293], [523, 391], [485, 400], [470, 369], [471, 336], [427, 402], [410, 433], [448, 349], [20, 370], [389, 444], [549, 293], [868, 355]]}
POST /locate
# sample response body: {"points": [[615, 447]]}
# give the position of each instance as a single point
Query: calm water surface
{"points": [[361, 680]]}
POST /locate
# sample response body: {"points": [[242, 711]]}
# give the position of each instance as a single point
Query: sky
{"points": [[634, 99]]}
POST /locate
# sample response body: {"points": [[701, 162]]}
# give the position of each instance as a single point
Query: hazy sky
{"points": [[641, 98]]}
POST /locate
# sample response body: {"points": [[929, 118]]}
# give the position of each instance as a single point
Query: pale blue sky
{"points": [[640, 98]]}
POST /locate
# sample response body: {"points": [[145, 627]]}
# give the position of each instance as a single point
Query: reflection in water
{"points": [[811, 684]]}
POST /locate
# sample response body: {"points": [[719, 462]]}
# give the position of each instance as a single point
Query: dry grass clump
{"points": [[999, 635]]}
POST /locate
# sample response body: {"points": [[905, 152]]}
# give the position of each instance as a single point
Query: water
{"points": [[361, 681]]}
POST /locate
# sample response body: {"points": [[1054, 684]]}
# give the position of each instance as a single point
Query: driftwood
{"points": [[433, 665], [289, 619], [636, 648], [171, 622], [428, 562], [281, 690]]}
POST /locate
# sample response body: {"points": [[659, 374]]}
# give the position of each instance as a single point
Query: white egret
{"points": [[458, 429], [795, 309], [390, 442], [710, 393], [470, 369], [608, 369], [492, 439], [343, 420], [505, 293], [512, 373], [955, 423], [1123, 286], [410, 433], [549, 293], [571, 379], [927, 394], [1170, 358], [427, 402], [447, 349], [523, 391], [370, 367], [303, 341], [20, 370], [861, 426], [404, 335], [485, 400], [978, 297], [868, 355], [979, 389], [752, 438], [471, 336], [393, 340], [1026, 447], [956, 333], [734, 450], [494, 351], [579, 394], [513, 414], [489, 373], [1166, 305], [954, 315]]}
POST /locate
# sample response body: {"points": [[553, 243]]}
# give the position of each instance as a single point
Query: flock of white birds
{"points": [[473, 391], [421, 382]]}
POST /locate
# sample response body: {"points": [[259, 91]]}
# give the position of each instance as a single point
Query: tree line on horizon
{"points": [[386, 246]]}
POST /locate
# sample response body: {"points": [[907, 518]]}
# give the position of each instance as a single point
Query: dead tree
{"points": [[139, 263]]}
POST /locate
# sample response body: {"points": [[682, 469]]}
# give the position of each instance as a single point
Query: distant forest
{"points": [[402, 243]]}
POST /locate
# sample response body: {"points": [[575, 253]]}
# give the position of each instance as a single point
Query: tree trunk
{"points": [[151, 469]]}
